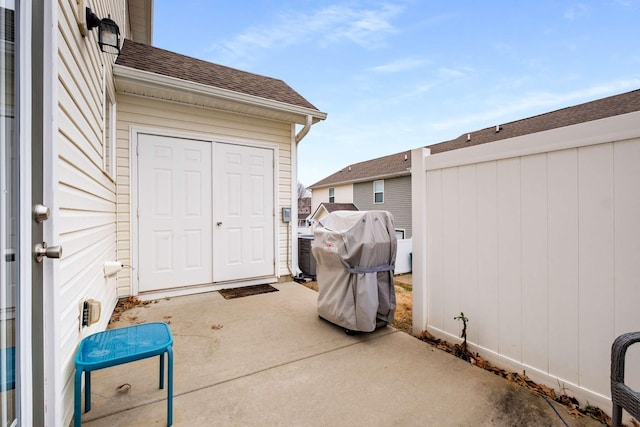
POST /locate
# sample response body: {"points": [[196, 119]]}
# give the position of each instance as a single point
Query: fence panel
{"points": [[537, 240]]}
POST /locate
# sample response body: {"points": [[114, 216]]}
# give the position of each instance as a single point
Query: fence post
{"points": [[419, 226]]}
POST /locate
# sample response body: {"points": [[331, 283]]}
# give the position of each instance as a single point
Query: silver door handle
{"points": [[42, 250]]}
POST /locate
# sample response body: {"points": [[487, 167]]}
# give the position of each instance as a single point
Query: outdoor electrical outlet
{"points": [[90, 312]]}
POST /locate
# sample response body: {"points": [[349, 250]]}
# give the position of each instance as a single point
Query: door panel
{"points": [[243, 212], [174, 212]]}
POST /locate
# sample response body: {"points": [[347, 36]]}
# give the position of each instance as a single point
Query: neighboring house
{"points": [[379, 184], [333, 193], [304, 209], [147, 156], [531, 229]]}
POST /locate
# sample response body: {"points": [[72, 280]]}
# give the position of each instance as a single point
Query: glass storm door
{"points": [[9, 219]]}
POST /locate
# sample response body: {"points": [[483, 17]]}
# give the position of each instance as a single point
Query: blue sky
{"points": [[398, 75]]}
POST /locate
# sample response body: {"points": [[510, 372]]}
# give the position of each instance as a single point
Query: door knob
{"points": [[42, 250], [219, 223]]}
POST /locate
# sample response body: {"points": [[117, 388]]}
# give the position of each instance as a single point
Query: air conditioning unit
{"points": [[306, 261]]}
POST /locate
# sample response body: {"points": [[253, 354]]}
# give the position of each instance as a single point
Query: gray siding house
{"points": [[383, 183], [396, 199]]}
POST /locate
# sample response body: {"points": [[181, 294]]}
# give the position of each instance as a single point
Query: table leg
{"points": [[162, 370], [87, 391], [77, 399], [170, 388]]}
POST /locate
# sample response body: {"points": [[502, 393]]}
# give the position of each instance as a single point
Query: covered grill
{"points": [[355, 256]]}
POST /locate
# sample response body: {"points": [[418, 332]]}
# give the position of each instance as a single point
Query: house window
{"points": [[399, 234], [378, 191], [332, 195]]}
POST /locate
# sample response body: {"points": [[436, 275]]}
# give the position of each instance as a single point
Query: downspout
{"points": [[294, 269], [305, 130]]}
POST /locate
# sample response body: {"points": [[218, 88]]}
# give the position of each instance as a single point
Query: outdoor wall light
{"points": [[108, 32]]}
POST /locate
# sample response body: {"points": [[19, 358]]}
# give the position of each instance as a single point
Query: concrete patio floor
{"points": [[268, 360]]}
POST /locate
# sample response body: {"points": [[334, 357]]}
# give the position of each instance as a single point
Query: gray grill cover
{"points": [[355, 256]]}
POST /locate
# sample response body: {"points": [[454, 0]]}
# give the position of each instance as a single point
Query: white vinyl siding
{"points": [[85, 196], [139, 112]]}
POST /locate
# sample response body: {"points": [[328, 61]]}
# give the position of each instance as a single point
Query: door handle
{"points": [[219, 223], [42, 250]]}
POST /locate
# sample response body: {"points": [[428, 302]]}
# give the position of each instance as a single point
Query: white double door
{"points": [[205, 212]]}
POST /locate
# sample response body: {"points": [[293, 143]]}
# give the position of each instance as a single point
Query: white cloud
{"points": [[405, 64], [578, 10], [624, 3], [443, 75], [447, 73], [329, 25], [536, 103]]}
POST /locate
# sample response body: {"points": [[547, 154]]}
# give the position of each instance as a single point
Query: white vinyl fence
{"points": [[537, 240]]}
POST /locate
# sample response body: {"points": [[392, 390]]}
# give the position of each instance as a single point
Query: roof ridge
{"points": [[559, 110], [596, 109]]}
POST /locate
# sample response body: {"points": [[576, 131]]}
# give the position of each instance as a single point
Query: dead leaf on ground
{"points": [[216, 326], [125, 304], [575, 413]]}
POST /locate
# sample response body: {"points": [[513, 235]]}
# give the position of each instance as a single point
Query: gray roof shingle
{"points": [[152, 59], [615, 105]]}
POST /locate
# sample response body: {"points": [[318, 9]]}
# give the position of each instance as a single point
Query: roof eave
{"points": [[145, 83], [365, 179]]}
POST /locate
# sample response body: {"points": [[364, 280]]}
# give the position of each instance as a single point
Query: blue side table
{"points": [[116, 347]]}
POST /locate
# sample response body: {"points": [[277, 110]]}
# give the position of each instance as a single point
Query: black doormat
{"points": [[246, 291]]}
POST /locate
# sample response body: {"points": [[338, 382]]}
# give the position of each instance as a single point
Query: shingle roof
{"points": [[599, 109], [332, 207], [152, 59], [395, 164]]}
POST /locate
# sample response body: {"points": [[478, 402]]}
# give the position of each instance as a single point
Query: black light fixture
{"points": [[108, 32]]}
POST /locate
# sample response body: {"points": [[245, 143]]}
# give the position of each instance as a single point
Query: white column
{"points": [[419, 224]]}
